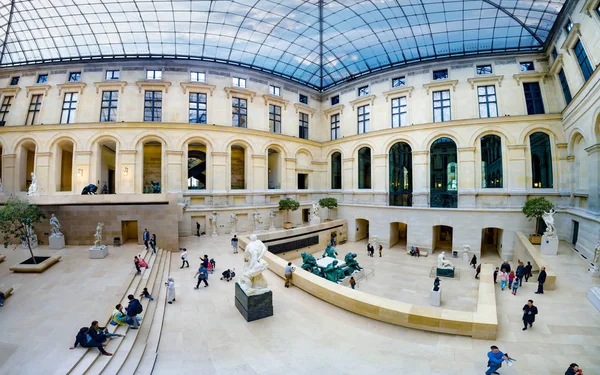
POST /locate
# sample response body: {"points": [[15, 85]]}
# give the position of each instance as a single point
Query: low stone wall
{"points": [[526, 252]]}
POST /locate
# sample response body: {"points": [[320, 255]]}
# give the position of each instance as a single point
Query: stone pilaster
{"points": [[420, 162], [594, 176], [128, 172], [174, 172], [10, 184]]}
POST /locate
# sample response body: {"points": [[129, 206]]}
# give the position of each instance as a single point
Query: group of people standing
{"points": [[371, 250], [149, 240]]}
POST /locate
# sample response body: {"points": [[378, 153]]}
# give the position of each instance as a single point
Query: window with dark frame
{"points": [[197, 76], [14, 81], [336, 170], [565, 86], [364, 119], [35, 105], [197, 114], [398, 81], [303, 99], [554, 53], [302, 181], [488, 103], [108, 109], [363, 91], [484, 69], [153, 106], [238, 82], [239, 113], [335, 126], [582, 59], [42, 78], [569, 25], [154, 74], [5, 108], [68, 108], [399, 112], [274, 90], [526, 66], [533, 98], [440, 74], [303, 125], [598, 9], [441, 106], [335, 100], [274, 118], [112, 75], [74, 76]]}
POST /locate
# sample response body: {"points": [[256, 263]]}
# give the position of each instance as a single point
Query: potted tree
{"points": [[288, 204], [330, 204], [535, 208]]}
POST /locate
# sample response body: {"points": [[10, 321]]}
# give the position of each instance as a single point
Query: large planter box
{"points": [[535, 239], [35, 268], [288, 225]]}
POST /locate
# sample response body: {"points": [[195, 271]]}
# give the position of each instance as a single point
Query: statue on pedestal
{"points": [[330, 251], [30, 237], [334, 273], [436, 284], [549, 220], [309, 263], [257, 222], [98, 234], [1, 187], [90, 189], [233, 220], [252, 280], [33, 188], [213, 223], [155, 187], [272, 215], [351, 262], [597, 254], [443, 263], [55, 225], [315, 213]]}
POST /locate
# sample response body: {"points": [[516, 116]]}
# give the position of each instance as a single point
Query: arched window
{"points": [[364, 168], [336, 170], [238, 167], [400, 170], [444, 174], [541, 161], [491, 162], [196, 166], [152, 170]]}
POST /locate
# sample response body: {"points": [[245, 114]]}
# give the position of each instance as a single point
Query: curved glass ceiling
{"points": [[318, 43]]}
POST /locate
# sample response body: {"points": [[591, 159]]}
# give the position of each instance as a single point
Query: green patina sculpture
{"points": [[334, 273], [351, 263], [330, 251], [309, 263]]}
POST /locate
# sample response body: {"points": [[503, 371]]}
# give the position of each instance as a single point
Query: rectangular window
{"points": [[399, 112], [488, 104], [363, 91], [584, 62], [554, 53], [74, 76], [34, 109], [526, 66], [565, 86], [569, 25], [14, 81], [112, 75], [274, 90], [108, 110], [5, 108], [440, 74], [274, 118], [69, 107], [42, 78], [239, 82], [197, 77], [335, 126], [153, 106], [197, 108], [154, 74], [484, 69], [335, 100], [239, 117], [398, 81], [303, 99], [441, 106], [303, 129], [302, 181], [533, 98], [364, 119]]}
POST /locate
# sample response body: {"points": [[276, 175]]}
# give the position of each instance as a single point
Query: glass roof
{"points": [[319, 43]]}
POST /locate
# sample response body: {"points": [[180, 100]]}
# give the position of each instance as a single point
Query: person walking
{"points": [[136, 261], [529, 313], [574, 370], [541, 280], [352, 282], [528, 269], [184, 258], [289, 269], [234, 244], [520, 273], [380, 250], [153, 243], [495, 359], [511, 278], [133, 309], [202, 275], [205, 261], [474, 261], [170, 290], [503, 279], [146, 237], [496, 275], [197, 229], [478, 270], [505, 266], [515, 286]]}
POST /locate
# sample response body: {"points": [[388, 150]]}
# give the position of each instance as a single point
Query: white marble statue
{"points": [[443, 263], [315, 210], [549, 220], [597, 254], [98, 234], [213, 224], [252, 281], [1, 187], [233, 219], [55, 224], [33, 240], [256, 216], [272, 216], [33, 188]]}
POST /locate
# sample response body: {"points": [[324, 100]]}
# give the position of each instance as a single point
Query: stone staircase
{"points": [[129, 351]]}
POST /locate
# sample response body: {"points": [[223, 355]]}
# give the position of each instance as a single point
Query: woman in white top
{"points": [[171, 290], [184, 258]]}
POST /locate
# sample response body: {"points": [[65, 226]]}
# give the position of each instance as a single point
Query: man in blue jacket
{"points": [[133, 309], [146, 237], [495, 359]]}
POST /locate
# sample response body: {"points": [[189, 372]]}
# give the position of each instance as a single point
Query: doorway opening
{"points": [[491, 241], [305, 215], [362, 229], [398, 234], [442, 238], [129, 231], [575, 232]]}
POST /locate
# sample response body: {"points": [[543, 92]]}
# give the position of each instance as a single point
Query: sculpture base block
{"points": [[253, 307], [465, 257], [444, 272], [34, 243], [593, 296], [56, 242], [214, 235], [98, 252], [435, 298], [594, 271], [549, 245], [315, 221]]}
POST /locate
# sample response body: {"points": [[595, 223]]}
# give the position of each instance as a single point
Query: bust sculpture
{"points": [[98, 234], [443, 263], [252, 281], [549, 220], [33, 188], [55, 225]]}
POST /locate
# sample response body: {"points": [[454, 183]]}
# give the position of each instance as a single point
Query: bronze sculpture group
{"points": [[333, 272]]}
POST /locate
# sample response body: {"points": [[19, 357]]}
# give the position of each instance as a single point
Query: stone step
{"points": [[146, 365]]}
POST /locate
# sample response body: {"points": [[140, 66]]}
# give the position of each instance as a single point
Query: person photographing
{"points": [[495, 359]]}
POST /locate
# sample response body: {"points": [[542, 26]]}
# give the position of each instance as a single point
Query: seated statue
{"points": [[351, 263], [334, 273], [309, 263], [330, 251], [443, 263], [155, 187], [91, 189]]}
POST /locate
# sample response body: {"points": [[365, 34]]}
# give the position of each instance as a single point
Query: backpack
{"points": [[140, 308]]}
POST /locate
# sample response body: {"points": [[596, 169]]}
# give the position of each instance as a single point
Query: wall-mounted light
{"points": [[126, 171], [80, 173]]}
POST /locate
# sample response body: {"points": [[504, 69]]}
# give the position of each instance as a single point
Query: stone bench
{"points": [[2, 257], [421, 252], [525, 251], [7, 291]]}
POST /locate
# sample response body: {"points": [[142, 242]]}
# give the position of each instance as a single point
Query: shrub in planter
{"points": [[16, 224], [534, 208], [287, 205], [329, 203]]}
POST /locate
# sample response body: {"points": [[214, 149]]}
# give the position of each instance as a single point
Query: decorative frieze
{"points": [[58, 72], [132, 68], [505, 62], [169, 69], [219, 73]]}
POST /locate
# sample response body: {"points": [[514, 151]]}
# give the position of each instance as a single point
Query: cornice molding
{"points": [[397, 92], [275, 100], [197, 87], [336, 108], [10, 90], [486, 79], [589, 7], [363, 100], [442, 84], [244, 93], [529, 77], [36, 88], [556, 65], [148, 85], [119, 85], [572, 38], [71, 87], [300, 107]]}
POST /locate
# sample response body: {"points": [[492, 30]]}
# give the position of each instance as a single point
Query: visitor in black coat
{"points": [[541, 281], [529, 313], [528, 274], [474, 261], [505, 267]]}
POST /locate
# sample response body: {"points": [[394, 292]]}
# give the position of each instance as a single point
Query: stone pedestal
{"points": [[56, 242], [593, 296], [465, 257], [315, 220], [34, 243], [594, 271], [435, 297], [549, 245], [98, 252], [445, 272], [253, 307]]}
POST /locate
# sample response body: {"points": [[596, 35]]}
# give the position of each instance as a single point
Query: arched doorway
{"points": [[362, 229], [400, 170], [336, 170], [238, 167], [444, 174], [398, 234], [27, 152], [364, 168], [152, 172], [442, 238], [274, 169], [491, 241], [107, 161], [541, 161], [63, 165], [196, 166]]}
